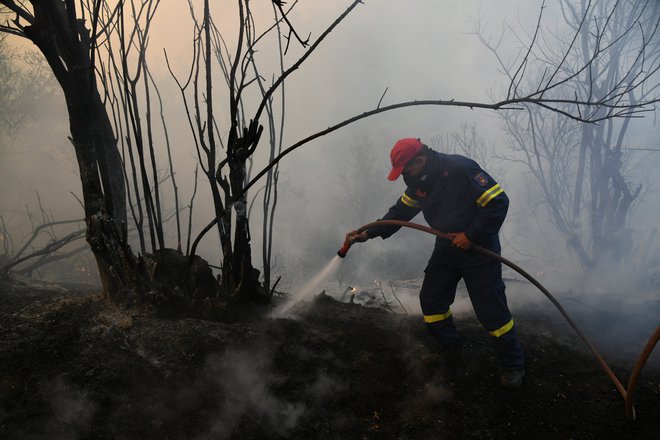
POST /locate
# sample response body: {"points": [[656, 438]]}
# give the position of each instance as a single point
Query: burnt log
{"points": [[180, 284]]}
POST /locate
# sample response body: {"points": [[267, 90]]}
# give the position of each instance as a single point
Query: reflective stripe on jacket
{"points": [[455, 195]]}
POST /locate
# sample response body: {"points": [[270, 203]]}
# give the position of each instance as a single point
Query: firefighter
{"points": [[458, 197]]}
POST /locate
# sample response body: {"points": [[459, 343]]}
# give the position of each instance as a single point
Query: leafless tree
{"points": [[581, 167], [59, 32], [226, 176]]}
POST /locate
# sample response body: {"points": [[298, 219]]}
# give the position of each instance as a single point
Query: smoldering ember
{"points": [[329, 220]]}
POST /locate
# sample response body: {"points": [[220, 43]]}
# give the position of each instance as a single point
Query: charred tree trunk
{"points": [[239, 275], [65, 42]]}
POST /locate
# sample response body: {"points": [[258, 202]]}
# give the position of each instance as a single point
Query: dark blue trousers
{"points": [[486, 290]]}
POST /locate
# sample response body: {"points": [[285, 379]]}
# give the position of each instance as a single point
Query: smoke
{"points": [[323, 387], [246, 382], [72, 409], [248, 388]]}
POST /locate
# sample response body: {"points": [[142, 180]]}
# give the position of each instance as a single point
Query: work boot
{"points": [[512, 379]]}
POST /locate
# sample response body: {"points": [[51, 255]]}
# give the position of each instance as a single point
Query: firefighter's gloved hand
{"points": [[357, 237], [460, 240]]}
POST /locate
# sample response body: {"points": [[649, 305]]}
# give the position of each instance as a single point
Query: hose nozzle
{"points": [[344, 249]]}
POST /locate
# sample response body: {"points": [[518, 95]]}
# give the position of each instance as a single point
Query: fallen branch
{"points": [[397, 298], [387, 305]]}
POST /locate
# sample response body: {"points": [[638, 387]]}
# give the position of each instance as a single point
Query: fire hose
{"points": [[626, 392]]}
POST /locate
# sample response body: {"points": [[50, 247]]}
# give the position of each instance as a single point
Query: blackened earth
{"points": [[73, 367]]}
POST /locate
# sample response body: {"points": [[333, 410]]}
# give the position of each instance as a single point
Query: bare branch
{"points": [[19, 10], [520, 72], [37, 230], [51, 247], [382, 96], [292, 30]]}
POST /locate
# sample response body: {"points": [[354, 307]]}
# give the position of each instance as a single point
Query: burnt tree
{"points": [[69, 39], [68, 47]]}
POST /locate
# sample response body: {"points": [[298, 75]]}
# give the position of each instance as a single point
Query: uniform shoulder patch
{"points": [[481, 179]]}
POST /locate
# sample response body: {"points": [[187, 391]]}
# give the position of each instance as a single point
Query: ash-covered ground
{"points": [[73, 367]]}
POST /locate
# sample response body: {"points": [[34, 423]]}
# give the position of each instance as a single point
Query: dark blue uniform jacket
{"points": [[455, 195]]}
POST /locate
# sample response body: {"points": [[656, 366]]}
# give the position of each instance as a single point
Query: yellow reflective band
{"points": [[489, 195], [492, 197], [409, 201], [430, 319], [500, 331]]}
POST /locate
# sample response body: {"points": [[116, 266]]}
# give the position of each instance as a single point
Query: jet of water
{"points": [[309, 288]]}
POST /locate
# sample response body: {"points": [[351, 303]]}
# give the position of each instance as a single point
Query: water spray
{"points": [[312, 286], [626, 393]]}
